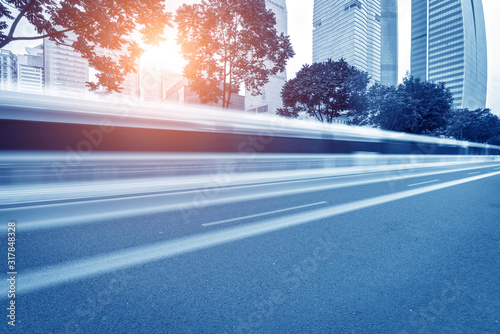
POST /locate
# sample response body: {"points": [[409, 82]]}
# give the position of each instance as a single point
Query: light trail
{"points": [[67, 214]]}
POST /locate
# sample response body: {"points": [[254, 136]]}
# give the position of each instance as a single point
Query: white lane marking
{"points": [[417, 184], [473, 173], [263, 214], [32, 220], [79, 269]]}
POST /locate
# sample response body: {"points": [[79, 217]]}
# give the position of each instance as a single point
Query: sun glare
{"points": [[165, 57]]}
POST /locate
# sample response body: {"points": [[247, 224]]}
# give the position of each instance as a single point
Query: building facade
{"points": [[270, 99], [448, 44], [130, 87], [389, 42], [8, 70], [30, 71], [348, 29], [66, 72], [181, 92], [363, 32]]}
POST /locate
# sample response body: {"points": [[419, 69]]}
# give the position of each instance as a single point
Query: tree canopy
{"points": [[415, 106], [97, 24], [478, 125], [227, 43], [325, 91]]}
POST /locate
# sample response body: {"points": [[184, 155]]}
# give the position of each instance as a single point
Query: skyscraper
{"points": [[389, 42], [270, 100], [448, 44], [66, 72], [363, 32], [348, 29]]}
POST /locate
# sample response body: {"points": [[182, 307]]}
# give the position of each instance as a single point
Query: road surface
{"points": [[410, 251]]}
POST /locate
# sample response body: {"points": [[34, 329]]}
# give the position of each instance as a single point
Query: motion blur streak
{"points": [[48, 216], [60, 274]]}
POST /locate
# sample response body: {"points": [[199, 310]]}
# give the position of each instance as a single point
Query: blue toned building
{"points": [[389, 42], [363, 32], [348, 29], [448, 44], [30, 71], [8, 70]]}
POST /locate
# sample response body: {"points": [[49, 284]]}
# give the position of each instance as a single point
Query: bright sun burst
{"points": [[165, 57]]}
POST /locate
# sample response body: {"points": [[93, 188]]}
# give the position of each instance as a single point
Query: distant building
{"points": [[130, 85], [448, 44], [66, 72], [8, 70], [270, 100], [349, 29], [30, 71], [131, 81], [181, 92], [389, 42], [156, 83], [151, 85]]}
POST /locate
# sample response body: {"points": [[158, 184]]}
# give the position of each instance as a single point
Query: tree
{"points": [[415, 106], [495, 140], [385, 104], [227, 43], [478, 125], [96, 24], [325, 91]]}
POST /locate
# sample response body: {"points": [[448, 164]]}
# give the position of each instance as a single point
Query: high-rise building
{"points": [[448, 44], [348, 29], [8, 70], [30, 71], [66, 72], [363, 32], [389, 42], [270, 99]]}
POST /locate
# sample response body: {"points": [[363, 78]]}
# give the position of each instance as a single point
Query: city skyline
{"points": [[302, 11], [300, 23]]}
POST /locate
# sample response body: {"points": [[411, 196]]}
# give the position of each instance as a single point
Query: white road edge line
{"points": [[98, 265], [473, 173], [263, 214], [417, 184]]}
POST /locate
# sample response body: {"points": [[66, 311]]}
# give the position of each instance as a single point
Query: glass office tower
{"points": [[448, 44], [348, 29], [389, 42]]}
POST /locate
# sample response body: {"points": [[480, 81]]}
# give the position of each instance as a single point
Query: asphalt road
{"points": [[415, 251]]}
